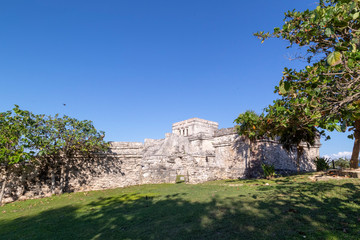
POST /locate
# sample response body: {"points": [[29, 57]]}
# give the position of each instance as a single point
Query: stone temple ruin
{"points": [[196, 151], [199, 151]]}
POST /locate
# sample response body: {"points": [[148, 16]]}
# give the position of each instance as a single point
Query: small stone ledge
{"points": [[225, 131], [126, 145], [200, 136], [223, 144]]}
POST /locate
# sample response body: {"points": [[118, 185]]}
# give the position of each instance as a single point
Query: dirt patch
{"points": [[332, 174], [315, 178]]}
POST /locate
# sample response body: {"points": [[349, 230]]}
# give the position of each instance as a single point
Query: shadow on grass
{"points": [[308, 211]]}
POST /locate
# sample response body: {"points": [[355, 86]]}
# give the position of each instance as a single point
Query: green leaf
{"points": [[343, 127], [351, 63], [334, 58], [284, 87], [355, 15], [338, 128], [328, 32], [307, 111], [353, 47], [316, 115]]}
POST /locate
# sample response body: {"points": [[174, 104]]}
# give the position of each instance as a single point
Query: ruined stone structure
{"points": [[200, 151], [196, 150]]}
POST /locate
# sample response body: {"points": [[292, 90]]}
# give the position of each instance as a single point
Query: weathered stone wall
{"points": [[119, 168], [201, 154], [234, 151]]}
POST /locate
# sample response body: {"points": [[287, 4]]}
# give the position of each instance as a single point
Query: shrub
{"points": [[322, 163], [269, 170], [342, 163], [180, 178]]}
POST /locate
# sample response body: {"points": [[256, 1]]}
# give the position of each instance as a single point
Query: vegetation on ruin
{"points": [[14, 143], [322, 163], [283, 208], [62, 142], [326, 93], [283, 123], [50, 143]]}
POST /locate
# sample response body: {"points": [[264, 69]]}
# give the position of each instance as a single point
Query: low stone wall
{"points": [[120, 167]]}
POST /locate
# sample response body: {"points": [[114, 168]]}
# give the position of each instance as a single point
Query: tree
{"points": [[281, 122], [249, 125], [64, 141], [54, 144], [328, 89], [291, 126], [14, 129]]}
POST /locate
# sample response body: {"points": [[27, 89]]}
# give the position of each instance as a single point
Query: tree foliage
{"points": [[327, 91], [52, 143], [14, 141], [249, 125], [63, 141], [289, 124], [282, 123]]}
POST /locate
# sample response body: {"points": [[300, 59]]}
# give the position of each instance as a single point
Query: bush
{"points": [[269, 170], [322, 163], [342, 163], [180, 179]]}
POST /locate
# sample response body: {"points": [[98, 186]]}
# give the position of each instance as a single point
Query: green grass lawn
{"points": [[283, 208]]}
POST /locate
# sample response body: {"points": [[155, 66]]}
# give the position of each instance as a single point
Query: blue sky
{"points": [[134, 67]]}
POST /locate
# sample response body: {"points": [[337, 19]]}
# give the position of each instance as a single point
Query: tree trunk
{"points": [[62, 179], [3, 190], [53, 181], [298, 155], [66, 178], [24, 182], [248, 159], [354, 161]]}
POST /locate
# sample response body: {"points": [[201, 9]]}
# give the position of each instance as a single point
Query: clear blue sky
{"points": [[134, 67]]}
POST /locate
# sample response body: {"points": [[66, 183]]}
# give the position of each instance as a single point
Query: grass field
{"points": [[283, 208]]}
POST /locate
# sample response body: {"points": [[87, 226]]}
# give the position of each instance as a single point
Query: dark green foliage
{"points": [[293, 135], [249, 125], [49, 142], [326, 92], [64, 141], [322, 163], [15, 138], [269, 170]]}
